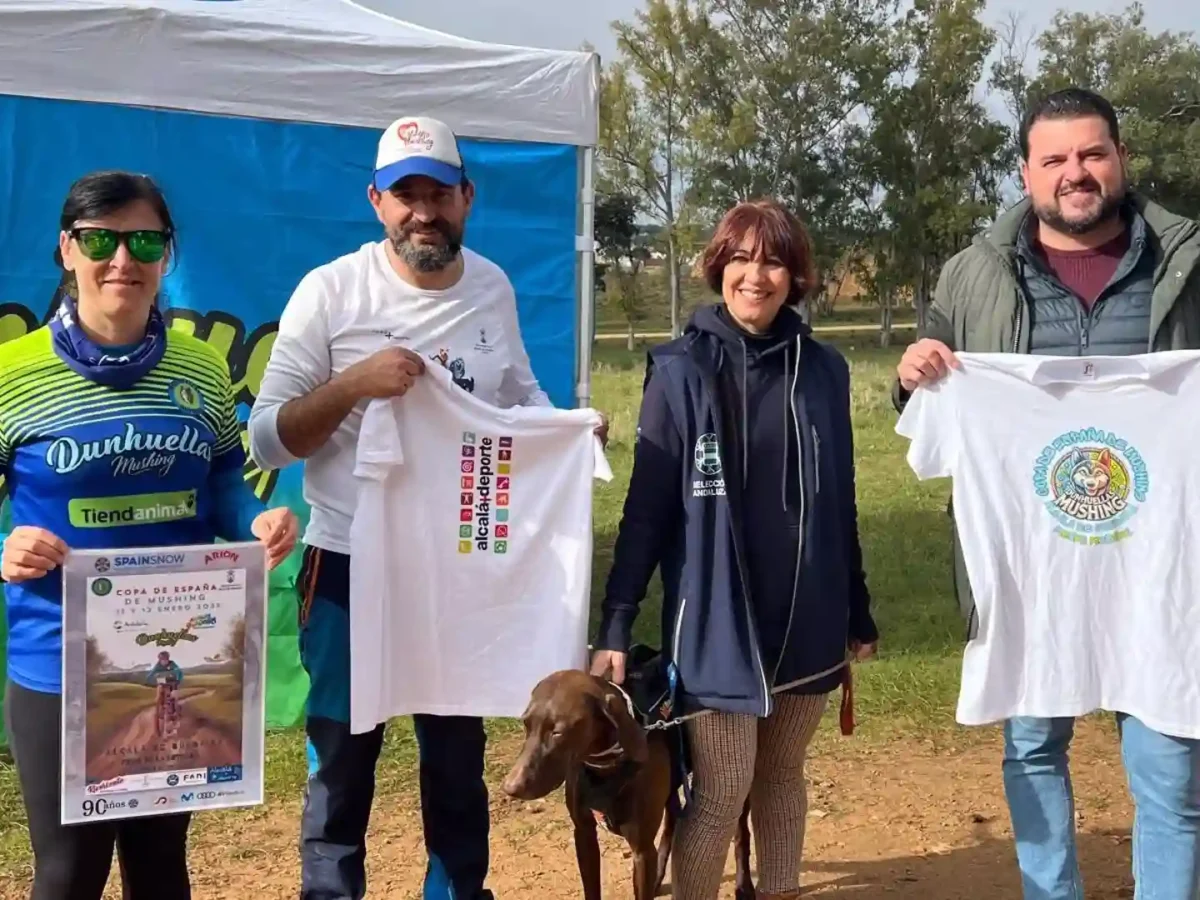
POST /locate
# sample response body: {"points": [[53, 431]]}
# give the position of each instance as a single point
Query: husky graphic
{"points": [[1091, 484], [457, 369], [1092, 477]]}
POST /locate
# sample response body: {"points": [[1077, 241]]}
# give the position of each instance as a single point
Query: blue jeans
{"points": [[1164, 779], [341, 765]]}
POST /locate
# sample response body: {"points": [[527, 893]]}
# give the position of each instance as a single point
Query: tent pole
{"points": [[586, 244]]}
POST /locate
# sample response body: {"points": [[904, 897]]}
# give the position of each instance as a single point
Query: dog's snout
{"points": [[534, 775], [516, 782]]}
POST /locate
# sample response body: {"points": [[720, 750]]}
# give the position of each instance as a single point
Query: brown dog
{"points": [[580, 730]]}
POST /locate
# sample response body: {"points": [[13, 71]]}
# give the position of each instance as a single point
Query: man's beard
{"points": [[1109, 208], [422, 257]]}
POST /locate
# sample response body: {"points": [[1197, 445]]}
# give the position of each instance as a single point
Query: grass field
{"points": [[655, 314], [910, 687]]}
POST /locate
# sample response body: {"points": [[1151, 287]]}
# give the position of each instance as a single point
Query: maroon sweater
{"points": [[1087, 272]]}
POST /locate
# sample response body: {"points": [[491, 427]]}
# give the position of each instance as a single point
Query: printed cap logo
{"points": [[413, 138]]}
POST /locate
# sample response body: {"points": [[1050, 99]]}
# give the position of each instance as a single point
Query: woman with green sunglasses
{"points": [[105, 409]]}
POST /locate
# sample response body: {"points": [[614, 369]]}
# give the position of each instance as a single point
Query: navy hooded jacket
{"points": [[743, 494]]}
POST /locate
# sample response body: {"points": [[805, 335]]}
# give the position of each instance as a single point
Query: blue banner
{"points": [[257, 205]]}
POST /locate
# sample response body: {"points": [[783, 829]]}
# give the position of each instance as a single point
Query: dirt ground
{"points": [[135, 749], [896, 821], [903, 820]]}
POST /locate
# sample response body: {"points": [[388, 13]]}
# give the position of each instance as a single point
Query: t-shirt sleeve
{"points": [[930, 424], [379, 446], [520, 386], [299, 364]]}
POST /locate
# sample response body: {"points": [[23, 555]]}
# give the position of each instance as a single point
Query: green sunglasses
{"points": [[101, 243]]}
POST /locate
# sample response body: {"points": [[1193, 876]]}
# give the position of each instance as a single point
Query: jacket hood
{"points": [[716, 321]]}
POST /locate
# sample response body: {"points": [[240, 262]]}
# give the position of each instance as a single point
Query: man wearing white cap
{"points": [[361, 327]]}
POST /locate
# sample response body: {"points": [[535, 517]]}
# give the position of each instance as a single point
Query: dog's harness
{"points": [[657, 716], [643, 674]]}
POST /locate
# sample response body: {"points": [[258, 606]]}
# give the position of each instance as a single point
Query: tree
{"points": [[625, 250], [1153, 81], [1010, 71], [644, 113], [235, 649], [624, 282], [778, 89], [615, 223], [96, 663], [96, 660], [931, 155]]}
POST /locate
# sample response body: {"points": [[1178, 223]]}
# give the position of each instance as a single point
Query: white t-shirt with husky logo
{"points": [[472, 534], [1075, 497]]}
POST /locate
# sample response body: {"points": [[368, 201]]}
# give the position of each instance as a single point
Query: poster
{"points": [[163, 679]]}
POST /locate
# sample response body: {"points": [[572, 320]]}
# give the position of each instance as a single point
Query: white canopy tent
{"points": [[259, 118], [312, 61], [332, 61]]}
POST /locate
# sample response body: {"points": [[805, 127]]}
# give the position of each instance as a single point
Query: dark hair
{"points": [[100, 194], [1071, 103], [777, 232]]}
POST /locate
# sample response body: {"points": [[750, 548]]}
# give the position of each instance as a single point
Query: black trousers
{"points": [[72, 862], [341, 774]]}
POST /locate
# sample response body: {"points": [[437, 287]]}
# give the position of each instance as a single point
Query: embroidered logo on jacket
{"points": [[707, 458]]}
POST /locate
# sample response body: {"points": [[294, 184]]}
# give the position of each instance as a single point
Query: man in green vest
{"points": [[1083, 266]]}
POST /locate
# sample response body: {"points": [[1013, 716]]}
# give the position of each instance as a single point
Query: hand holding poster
{"points": [[164, 658]]}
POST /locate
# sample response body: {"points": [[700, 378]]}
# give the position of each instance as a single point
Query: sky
{"points": [[566, 24]]}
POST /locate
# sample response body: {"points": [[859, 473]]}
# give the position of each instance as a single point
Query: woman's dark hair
{"points": [[778, 233], [100, 194]]}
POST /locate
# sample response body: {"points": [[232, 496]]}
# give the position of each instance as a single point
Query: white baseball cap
{"points": [[414, 145]]}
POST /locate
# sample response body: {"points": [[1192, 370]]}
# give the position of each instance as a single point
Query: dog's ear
{"points": [[630, 735]]}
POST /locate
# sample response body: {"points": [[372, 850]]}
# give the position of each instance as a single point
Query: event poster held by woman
{"points": [[107, 378], [743, 493]]}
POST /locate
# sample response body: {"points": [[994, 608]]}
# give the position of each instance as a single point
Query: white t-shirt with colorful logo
{"points": [[1075, 495], [471, 567], [346, 310]]}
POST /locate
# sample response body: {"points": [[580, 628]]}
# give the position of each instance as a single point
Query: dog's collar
{"points": [[606, 760], [612, 758], [628, 700]]}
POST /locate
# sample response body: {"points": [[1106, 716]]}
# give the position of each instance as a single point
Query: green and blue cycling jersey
{"points": [[156, 464], [171, 670]]}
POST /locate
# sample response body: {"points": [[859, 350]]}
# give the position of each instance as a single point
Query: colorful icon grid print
{"points": [[485, 497]]}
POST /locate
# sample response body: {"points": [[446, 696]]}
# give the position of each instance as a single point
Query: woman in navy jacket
{"points": [[743, 493]]}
